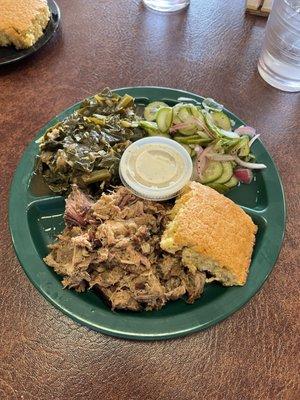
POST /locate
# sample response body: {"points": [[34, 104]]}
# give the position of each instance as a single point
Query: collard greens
{"points": [[86, 147]]}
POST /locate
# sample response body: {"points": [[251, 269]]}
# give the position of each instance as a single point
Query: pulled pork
{"points": [[113, 245]]}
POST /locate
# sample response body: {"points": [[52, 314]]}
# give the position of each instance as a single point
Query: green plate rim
{"points": [[189, 320]]}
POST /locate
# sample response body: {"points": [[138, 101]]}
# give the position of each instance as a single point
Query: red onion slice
{"points": [[198, 149], [249, 165], [200, 162], [244, 175], [182, 125], [198, 122], [253, 140], [245, 130]]}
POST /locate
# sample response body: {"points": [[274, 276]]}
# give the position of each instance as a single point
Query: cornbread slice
{"points": [[22, 22], [214, 234]]}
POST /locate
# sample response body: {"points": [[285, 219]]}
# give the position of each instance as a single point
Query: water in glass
{"points": [[166, 5], [279, 62]]}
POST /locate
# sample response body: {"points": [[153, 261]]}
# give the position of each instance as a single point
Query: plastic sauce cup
{"points": [[155, 168]]}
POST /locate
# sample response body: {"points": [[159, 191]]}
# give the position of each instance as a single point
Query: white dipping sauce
{"points": [[155, 165]]}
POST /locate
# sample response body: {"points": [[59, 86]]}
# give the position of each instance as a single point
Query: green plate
{"points": [[35, 220]]}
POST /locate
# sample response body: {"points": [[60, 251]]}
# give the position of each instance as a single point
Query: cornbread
{"points": [[214, 234], [22, 22]]}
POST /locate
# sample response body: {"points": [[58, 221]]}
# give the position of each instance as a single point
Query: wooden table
{"points": [[212, 50]]}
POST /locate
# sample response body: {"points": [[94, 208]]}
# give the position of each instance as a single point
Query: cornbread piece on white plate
{"points": [[214, 234], [22, 22]]}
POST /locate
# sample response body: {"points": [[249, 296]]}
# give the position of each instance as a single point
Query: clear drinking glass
{"points": [[166, 5], [279, 62]]}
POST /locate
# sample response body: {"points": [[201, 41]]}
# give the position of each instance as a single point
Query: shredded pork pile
{"points": [[113, 245]]}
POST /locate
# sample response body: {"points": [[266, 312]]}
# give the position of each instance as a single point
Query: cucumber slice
{"points": [[241, 147], [211, 104], [195, 139], [211, 124], [199, 115], [233, 181], [196, 112], [245, 149], [193, 153], [204, 135], [250, 157], [226, 174], [150, 127], [176, 109], [164, 118], [184, 113], [187, 112], [187, 147], [152, 108], [188, 131], [219, 187], [221, 120], [212, 172]]}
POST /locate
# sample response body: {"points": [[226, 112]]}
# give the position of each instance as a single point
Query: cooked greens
{"points": [[86, 147]]}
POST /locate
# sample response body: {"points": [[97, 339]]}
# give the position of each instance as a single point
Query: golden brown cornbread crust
{"points": [[214, 226], [22, 21]]}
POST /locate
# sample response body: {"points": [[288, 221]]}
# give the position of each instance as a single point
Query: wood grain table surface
{"points": [[212, 50]]}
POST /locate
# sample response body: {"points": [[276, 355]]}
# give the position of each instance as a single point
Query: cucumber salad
{"points": [[221, 155]]}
